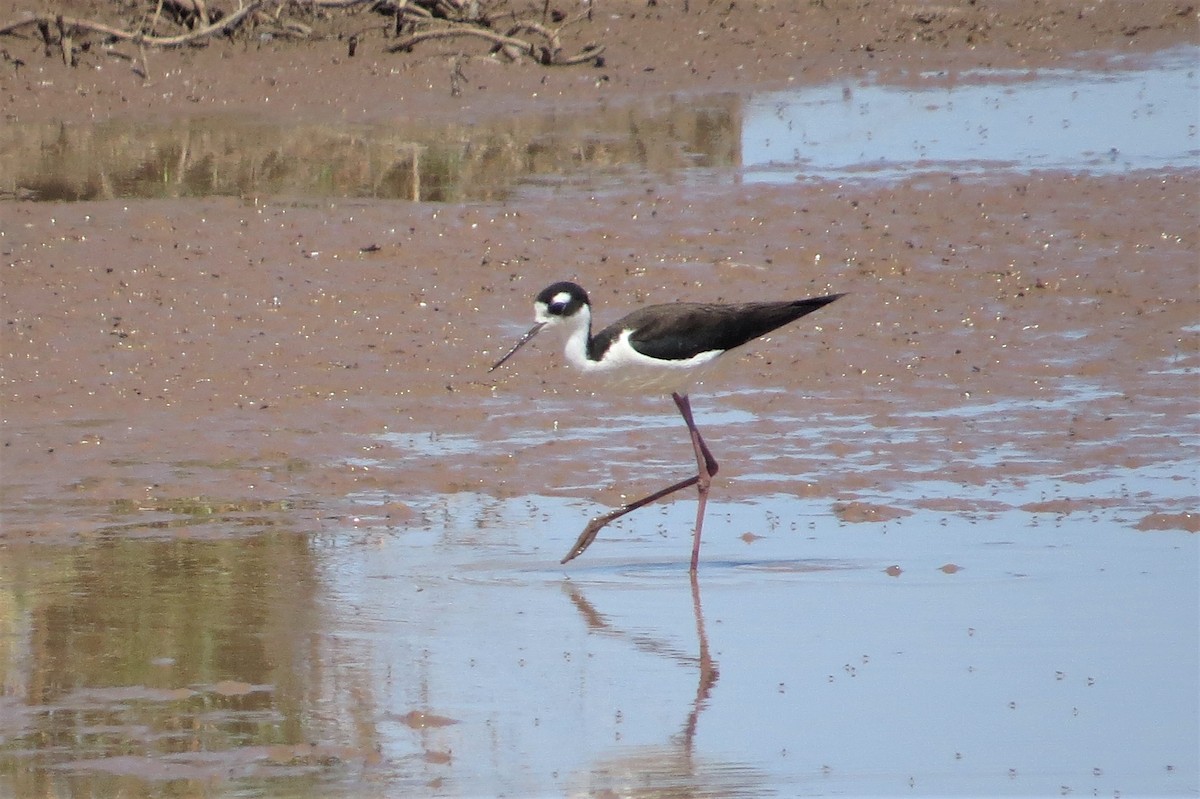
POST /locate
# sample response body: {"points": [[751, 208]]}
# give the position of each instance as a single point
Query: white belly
{"points": [[624, 368]]}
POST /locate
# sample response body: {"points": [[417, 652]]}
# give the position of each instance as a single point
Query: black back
{"points": [[682, 330]]}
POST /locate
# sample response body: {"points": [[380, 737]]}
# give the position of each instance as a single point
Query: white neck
{"points": [[579, 330]]}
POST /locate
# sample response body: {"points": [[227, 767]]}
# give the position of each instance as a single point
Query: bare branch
{"points": [[220, 26]]}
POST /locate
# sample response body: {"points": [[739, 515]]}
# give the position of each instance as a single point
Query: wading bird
{"points": [[659, 347]]}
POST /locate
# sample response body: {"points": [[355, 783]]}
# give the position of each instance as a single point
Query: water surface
{"points": [[977, 121]]}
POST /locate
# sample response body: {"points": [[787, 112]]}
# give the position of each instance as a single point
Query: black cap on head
{"points": [[563, 298]]}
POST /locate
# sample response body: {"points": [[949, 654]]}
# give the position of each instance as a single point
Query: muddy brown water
{"points": [[271, 528]]}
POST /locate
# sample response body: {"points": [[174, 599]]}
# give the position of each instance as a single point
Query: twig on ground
{"points": [[508, 43], [42, 22], [425, 20]]}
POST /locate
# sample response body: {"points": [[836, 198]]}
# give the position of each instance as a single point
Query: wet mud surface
{"points": [[650, 48], [270, 526], [258, 354]]}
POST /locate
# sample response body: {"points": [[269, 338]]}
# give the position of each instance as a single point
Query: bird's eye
{"points": [[558, 305]]}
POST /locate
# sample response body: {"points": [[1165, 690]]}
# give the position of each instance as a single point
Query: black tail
{"points": [[760, 318]]}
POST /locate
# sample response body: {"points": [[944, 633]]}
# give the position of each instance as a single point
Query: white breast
{"points": [[624, 367]]}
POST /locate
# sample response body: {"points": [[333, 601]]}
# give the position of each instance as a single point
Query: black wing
{"points": [[684, 330]]}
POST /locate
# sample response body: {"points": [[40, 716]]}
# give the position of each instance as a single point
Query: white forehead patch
{"points": [[562, 298]]}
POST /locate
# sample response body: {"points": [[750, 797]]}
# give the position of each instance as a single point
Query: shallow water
{"points": [[455, 656], [977, 121], [981, 121], [270, 529]]}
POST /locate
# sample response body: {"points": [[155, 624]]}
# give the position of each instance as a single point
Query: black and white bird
{"points": [[660, 348]]}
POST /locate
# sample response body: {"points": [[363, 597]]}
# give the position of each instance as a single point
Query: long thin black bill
{"points": [[533, 331]]}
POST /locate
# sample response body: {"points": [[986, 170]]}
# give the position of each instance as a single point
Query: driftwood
{"points": [[547, 53], [416, 21], [42, 21]]}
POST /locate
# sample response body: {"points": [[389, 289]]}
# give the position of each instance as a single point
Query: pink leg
{"points": [[706, 467]]}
